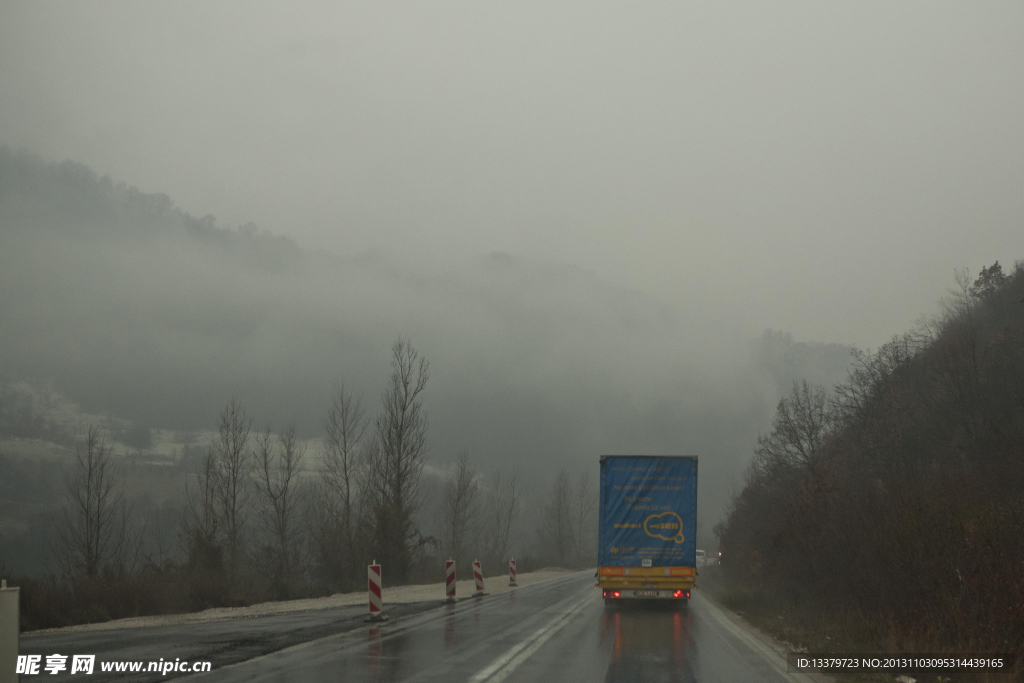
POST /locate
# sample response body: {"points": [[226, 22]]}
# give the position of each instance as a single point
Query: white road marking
{"points": [[500, 668], [777, 661], [356, 638]]}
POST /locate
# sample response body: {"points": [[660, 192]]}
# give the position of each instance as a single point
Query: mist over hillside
{"points": [[135, 309]]}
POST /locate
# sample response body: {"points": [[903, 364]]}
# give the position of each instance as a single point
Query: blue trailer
{"points": [[647, 545]]}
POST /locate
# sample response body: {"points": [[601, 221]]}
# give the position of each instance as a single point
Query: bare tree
{"points": [[341, 465], [160, 523], [556, 530], [798, 434], [584, 504], [503, 513], [990, 281], [94, 533], [334, 511], [958, 350], [201, 527], [279, 462], [130, 535], [396, 459], [233, 466], [331, 561], [460, 508]]}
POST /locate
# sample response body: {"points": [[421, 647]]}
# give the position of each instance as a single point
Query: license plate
{"points": [[645, 594]]}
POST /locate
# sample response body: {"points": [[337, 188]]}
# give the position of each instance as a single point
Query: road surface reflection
{"points": [[649, 643]]}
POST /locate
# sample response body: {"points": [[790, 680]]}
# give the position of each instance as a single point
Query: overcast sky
{"points": [[814, 167]]}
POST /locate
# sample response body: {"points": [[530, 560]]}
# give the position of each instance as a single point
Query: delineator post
{"points": [[449, 580], [373, 588], [478, 575]]}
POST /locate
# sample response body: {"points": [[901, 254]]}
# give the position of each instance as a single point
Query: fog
{"points": [[141, 312], [585, 216]]}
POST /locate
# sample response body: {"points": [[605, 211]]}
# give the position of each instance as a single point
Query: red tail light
{"points": [[615, 594]]}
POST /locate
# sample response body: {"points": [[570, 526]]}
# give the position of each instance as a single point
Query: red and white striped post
{"points": [[478, 574], [373, 588], [449, 580], [512, 572]]}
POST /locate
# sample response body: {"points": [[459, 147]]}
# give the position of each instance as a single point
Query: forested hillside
{"points": [[890, 510]]}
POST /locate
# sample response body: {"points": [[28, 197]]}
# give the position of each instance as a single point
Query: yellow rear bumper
{"points": [[629, 578]]}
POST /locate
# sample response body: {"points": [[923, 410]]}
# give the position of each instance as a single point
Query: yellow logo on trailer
{"points": [[667, 526]]}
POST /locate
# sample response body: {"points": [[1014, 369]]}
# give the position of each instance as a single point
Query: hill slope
{"points": [[895, 513]]}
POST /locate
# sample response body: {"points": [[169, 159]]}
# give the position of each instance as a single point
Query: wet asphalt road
{"points": [[219, 642], [554, 631]]}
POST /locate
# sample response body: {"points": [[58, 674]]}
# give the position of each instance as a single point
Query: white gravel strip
{"points": [[396, 595]]}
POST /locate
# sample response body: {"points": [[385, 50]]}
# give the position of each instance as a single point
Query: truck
{"points": [[647, 545]]}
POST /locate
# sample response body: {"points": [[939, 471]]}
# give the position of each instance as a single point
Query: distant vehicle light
{"points": [[615, 594]]}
